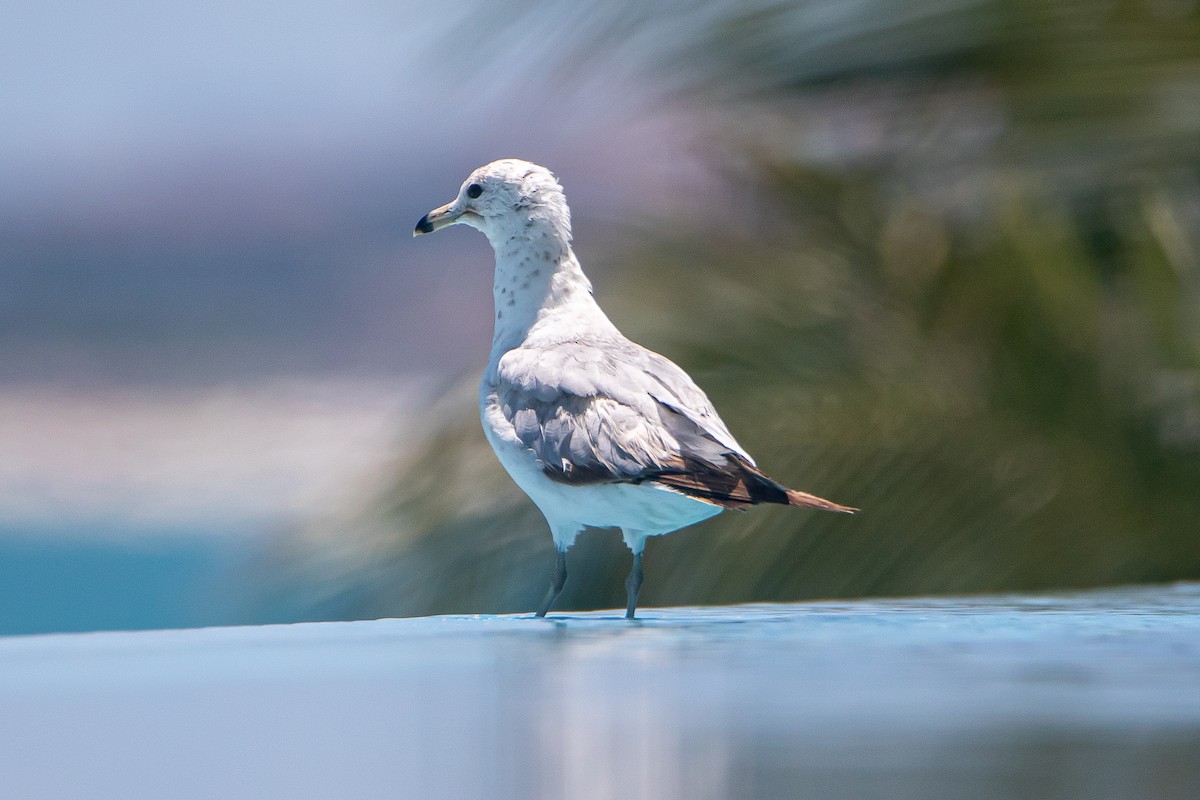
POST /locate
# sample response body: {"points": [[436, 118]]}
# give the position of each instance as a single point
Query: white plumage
{"points": [[598, 431]]}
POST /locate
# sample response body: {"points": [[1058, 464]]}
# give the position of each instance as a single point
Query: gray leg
{"points": [[633, 585], [556, 583]]}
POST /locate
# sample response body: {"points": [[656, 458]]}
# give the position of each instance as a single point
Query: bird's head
{"points": [[504, 199]]}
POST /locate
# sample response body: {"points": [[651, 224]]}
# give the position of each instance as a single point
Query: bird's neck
{"points": [[540, 289]]}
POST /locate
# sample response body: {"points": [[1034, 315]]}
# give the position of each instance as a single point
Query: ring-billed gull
{"points": [[598, 431]]}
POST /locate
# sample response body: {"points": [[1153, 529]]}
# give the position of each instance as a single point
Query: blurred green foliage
{"points": [[958, 287]]}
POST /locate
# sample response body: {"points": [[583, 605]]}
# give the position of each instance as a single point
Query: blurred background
{"points": [[939, 260]]}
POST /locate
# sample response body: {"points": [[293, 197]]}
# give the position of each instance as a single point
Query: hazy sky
{"points": [[96, 91], [193, 191], [88, 82]]}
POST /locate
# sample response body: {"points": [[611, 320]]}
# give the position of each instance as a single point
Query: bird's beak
{"points": [[438, 218]]}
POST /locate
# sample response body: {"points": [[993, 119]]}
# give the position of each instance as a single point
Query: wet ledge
{"points": [[1094, 693]]}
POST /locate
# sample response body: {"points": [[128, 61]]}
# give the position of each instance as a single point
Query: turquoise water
{"points": [[109, 578], [1093, 694]]}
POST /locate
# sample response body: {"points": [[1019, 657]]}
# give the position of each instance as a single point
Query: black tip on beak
{"points": [[423, 226]]}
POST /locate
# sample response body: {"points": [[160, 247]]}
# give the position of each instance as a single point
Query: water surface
{"points": [[1093, 694]]}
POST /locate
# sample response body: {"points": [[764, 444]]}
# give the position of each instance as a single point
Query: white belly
{"points": [[639, 510]]}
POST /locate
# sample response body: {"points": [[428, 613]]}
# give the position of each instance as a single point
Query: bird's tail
{"points": [[806, 500]]}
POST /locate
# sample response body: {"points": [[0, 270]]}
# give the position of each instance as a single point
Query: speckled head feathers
{"points": [[502, 198]]}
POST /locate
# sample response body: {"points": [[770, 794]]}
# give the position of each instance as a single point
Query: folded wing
{"points": [[611, 411]]}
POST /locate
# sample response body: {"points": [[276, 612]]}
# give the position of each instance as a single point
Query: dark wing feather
{"points": [[738, 484]]}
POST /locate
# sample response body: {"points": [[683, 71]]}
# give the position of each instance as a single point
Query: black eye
{"points": [[474, 190]]}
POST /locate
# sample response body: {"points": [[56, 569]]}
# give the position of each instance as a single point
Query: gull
{"points": [[598, 431]]}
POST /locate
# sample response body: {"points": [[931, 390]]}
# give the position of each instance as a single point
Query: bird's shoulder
{"points": [[587, 366]]}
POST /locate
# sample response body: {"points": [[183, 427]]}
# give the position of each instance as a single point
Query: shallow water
{"points": [[1076, 695]]}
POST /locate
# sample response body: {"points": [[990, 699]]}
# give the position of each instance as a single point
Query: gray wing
{"points": [[611, 411], [618, 369]]}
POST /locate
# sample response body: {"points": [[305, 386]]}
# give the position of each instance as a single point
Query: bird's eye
{"points": [[474, 190]]}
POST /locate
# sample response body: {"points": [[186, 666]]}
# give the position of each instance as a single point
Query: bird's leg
{"points": [[633, 585], [556, 583]]}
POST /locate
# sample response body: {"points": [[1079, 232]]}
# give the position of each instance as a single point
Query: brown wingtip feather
{"points": [[736, 484], [796, 498]]}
